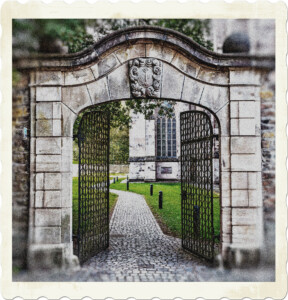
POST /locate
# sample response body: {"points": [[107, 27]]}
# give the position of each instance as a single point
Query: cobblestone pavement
{"points": [[139, 251]]}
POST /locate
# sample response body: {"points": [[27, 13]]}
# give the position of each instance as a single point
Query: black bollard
{"points": [[114, 180], [127, 185], [151, 189], [117, 178], [160, 200]]}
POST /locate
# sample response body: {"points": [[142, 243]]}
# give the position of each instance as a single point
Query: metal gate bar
{"points": [[197, 183]]}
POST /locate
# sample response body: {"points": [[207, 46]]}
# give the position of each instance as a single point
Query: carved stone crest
{"points": [[145, 77]]}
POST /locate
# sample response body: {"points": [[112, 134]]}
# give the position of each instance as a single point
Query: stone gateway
{"points": [[144, 62]]}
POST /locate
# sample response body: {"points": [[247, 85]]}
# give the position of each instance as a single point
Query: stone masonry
{"points": [[20, 158], [60, 88]]}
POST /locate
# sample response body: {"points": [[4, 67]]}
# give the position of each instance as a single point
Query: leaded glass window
{"points": [[166, 136]]}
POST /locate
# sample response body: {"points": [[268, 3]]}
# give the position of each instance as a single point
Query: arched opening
{"points": [[171, 217]]}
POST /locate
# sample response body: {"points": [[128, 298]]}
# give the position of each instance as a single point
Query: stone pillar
{"points": [[50, 236], [150, 150], [245, 170]]}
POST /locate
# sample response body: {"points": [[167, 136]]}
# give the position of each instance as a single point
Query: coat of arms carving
{"points": [[145, 77]]}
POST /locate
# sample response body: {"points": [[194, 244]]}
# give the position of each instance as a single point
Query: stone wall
{"points": [[20, 167], [268, 161]]}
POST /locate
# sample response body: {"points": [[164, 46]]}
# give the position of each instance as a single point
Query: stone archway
{"points": [[62, 86]]}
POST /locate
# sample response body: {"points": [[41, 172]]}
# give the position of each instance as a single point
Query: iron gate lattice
{"points": [[93, 185], [197, 183]]}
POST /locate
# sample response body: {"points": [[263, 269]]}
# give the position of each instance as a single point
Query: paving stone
{"points": [[140, 252]]}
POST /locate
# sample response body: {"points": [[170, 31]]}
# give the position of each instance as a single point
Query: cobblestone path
{"points": [[138, 250]]}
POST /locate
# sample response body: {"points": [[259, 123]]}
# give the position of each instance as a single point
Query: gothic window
{"points": [[166, 136]]}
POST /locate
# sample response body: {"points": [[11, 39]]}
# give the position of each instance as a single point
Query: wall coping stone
{"points": [[128, 36]]}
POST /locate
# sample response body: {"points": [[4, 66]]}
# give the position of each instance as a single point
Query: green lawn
{"points": [[170, 215], [112, 201]]}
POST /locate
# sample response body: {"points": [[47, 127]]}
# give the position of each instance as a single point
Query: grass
{"points": [[118, 174], [170, 215], [112, 202]]}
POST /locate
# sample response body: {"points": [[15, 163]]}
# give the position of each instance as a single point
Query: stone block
{"points": [[107, 64], [66, 192], [32, 145], [226, 219], [244, 93], [45, 257], [52, 199], [185, 65], [244, 235], [192, 90], [247, 109], [49, 78], [244, 77], [67, 152], [32, 119], [239, 198], [234, 109], [94, 70], [213, 77], [52, 181], [48, 163], [48, 94], [225, 180], [158, 51], [78, 77], [246, 162], [118, 83], [247, 145], [66, 225], [44, 128], [98, 90], [245, 216], [239, 180], [47, 235], [48, 145], [47, 217], [39, 181], [214, 97], [226, 237], [225, 153], [172, 83], [56, 110], [68, 119], [56, 127], [247, 127], [130, 52], [254, 180], [76, 98], [223, 116], [255, 198], [226, 198], [234, 126], [44, 111], [39, 198]]}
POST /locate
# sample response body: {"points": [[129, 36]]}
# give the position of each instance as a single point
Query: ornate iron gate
{"points": [[93, 185], [197, 183]]}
